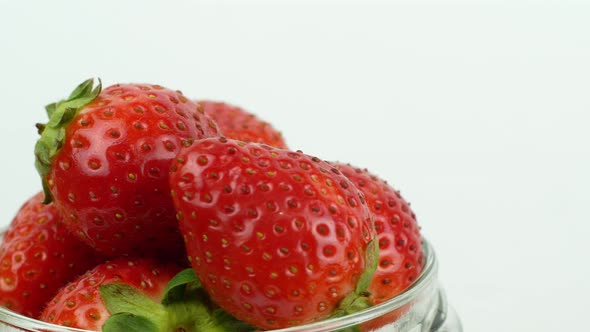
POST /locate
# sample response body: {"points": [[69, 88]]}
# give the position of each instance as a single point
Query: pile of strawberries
{"points": [[160, 213]]}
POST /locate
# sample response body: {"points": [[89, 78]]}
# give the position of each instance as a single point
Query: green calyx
{"points": [[53, 132], [371, 262], [359, 299], [185, 307]]}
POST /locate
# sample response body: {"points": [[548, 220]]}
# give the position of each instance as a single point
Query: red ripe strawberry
{"points": [[104, 157], [400, 245], [38, 256], [80, 305], [139, 295], [239, 124], [278, 238]]}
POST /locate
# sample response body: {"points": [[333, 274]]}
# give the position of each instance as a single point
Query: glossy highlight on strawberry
{"points": [[38, 255], [278, 238]]}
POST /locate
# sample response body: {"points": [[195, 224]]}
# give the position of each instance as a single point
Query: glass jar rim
{"points": [[427, 276]]}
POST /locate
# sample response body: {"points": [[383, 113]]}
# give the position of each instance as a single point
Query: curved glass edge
{"points": [[427, 279], [446, 319], [452, 322]]}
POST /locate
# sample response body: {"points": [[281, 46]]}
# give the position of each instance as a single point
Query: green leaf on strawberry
{"points": [[176, 288], [185, 306], [372, 259], [53, 133], [359, 300], [122, 298], [129, 323], [138, 295]]}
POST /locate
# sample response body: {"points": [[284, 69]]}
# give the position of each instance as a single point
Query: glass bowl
{"points": [[422, 307]]}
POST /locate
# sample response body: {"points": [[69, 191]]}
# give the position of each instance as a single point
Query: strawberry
{"points": [[38, 256], [137, 295], [80, 305], [104, 157], [237, 123], [400, 244], [277, 238]]}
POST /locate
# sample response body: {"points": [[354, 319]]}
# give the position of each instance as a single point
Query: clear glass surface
{"points": [[421, 308]]}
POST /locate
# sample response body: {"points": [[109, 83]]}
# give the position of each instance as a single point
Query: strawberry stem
{"points": [[53, 132], [359, 300]]}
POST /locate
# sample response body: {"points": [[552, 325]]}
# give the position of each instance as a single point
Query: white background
{"points": [[478, 111]]}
